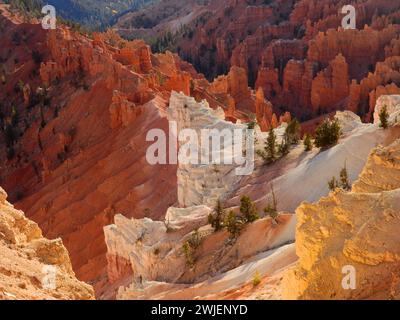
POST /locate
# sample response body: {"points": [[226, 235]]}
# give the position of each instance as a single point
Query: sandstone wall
{"points": [[25, 258]]}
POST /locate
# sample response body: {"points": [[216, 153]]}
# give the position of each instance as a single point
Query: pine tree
{"points": [[327, 134], [270, 147], [344, 179], [248, 209], [307, 142], [342, 183], [384, 118], [333, 184], [292, 132], [233, 224], [283, 148], [216, 218], [271, 209]]}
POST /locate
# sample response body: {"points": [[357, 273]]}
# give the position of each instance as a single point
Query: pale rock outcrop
{"points": [[348, 121], [357, 229], [233, 284], [200, 182], [158, 262], [392, 103], [153, 248], [27, 259]]}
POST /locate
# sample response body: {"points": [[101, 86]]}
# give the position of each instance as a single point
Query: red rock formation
{"points": [[80, 154], [236, 94], [385, 80], [290, 53], [81, 157], [137, 54], [264, 111], [122, 111], [330, 86]]}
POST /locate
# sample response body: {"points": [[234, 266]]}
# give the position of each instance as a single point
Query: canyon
{"points": [[141, 251], [76, 108], [296, 51], [75, 155]]}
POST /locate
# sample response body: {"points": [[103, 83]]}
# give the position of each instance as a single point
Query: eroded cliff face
{"points": [[357, 229], [77, 110], [27, 260], [147, 260], [151, 253], [297, 51]]}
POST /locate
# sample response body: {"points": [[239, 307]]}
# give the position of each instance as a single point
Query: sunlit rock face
{"points": [[31, 266], [357, 229]]}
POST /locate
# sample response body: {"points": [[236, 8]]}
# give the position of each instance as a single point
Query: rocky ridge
{"points": [[27, 257], [356, 229]]}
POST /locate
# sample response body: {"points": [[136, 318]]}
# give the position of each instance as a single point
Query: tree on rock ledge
{"points": [[270, 147], [216, 219], [248, 209], [384, 118], [327, 134], [307, 142]]}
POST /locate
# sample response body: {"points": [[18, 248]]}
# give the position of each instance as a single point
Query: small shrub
{"points": [[195, 239], [333, 184], [37, 57], [256, 279], [10, 153], [342, 183], [188, 251]]}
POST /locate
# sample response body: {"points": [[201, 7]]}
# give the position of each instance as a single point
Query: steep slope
{"points": [[302, 176], [27, 260], [150, 252], [357, 229], [75, 111], [95, 14], [154, 20], [153, 255]]}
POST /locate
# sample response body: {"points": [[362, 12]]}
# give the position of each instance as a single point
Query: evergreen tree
{"points": [[307, 142], [233, 224], [283, 148], [216, 218], [333, 184], [248, 209], [384, 118], [327, 134], [292, 132], [271, 209], [344, 179], [270, 147]]}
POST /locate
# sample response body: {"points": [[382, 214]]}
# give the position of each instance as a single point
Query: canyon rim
{"points": [[199, 150]]}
